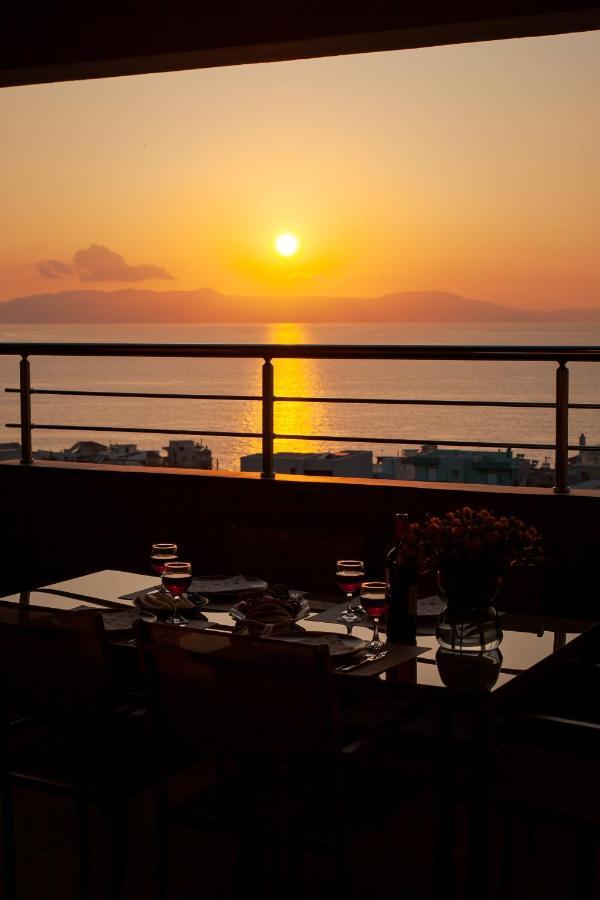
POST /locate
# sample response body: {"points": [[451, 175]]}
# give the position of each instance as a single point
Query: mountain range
{"points": [[206, 305]]}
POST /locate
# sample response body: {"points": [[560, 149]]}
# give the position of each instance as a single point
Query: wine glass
{"points": [[374, 598], [176, 578], [349, 575], [161, 555]]}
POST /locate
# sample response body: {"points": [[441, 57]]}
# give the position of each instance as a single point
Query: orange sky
{"points": [[471, 168]]}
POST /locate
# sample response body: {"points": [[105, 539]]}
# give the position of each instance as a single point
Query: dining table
{"points": [[482, 687]]}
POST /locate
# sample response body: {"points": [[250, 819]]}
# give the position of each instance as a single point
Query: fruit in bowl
{"points": [[271, 610]]}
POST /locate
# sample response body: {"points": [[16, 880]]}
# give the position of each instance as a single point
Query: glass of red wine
{"points": [[161, 555], [349, 576], [176, 579], [374, 599]]}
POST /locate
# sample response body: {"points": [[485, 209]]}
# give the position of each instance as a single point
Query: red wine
{"points": [[375, 604], [349, 584], [177, 583], [158, 562]]}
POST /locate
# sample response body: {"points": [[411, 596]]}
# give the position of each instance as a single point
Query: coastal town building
{"points": [[341, 464], [430, 463], [10, 450], [584, 467], [188, 455], [183, 454]]}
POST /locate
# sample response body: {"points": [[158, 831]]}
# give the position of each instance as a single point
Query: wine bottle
{"points": [[401, 576]]}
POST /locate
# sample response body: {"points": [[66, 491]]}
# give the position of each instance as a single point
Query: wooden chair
{"points": [[60, 730], [267, 713], [302, 560]]}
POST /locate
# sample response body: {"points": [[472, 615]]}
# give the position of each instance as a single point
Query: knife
{"points": [[369, 658]]}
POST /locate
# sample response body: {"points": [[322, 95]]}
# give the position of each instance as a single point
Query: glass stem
{"points": [[349, 599], [175, 602], [376, 631]]}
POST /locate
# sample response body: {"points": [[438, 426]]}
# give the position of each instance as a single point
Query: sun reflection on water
{"points": [[295, 378]]}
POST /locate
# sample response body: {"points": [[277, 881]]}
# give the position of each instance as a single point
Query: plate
{"points": [[217, 585], [338, 644]]}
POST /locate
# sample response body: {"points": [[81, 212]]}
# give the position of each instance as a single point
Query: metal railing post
{"points": [[561, 485], [267, 419], [25, 388]]}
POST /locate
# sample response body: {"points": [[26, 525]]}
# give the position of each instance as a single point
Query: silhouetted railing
{"points": [[268, 352]]}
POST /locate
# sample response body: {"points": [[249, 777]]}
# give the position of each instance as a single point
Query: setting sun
{"points": [[286, 244]]}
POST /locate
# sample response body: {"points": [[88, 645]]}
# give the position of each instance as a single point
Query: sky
{"points": [[469, 168]]}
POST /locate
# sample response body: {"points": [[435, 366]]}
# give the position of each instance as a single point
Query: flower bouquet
{"points": [[471, 550]]}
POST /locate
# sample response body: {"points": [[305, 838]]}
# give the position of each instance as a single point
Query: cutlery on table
{"points": [[368, 658]]}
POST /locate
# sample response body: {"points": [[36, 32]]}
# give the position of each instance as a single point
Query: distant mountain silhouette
{"points": [[138, 305]]}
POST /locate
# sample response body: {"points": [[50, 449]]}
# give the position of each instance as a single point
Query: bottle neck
{"points": [[401, 527]]}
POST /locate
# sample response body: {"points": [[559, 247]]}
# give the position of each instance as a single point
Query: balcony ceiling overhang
{"points": [[63, 40]]}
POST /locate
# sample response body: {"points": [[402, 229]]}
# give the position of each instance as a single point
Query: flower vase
{"points": [[469, 622]]}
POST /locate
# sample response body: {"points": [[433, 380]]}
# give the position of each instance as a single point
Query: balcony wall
{"points": [[65, 520]]}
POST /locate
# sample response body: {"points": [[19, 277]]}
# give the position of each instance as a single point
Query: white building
{"points": [[129, 455], [188, 455], [343, 464]]}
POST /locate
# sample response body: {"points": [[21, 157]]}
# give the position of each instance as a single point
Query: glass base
{"points": [[375, 646], [349, 617], [175, 620]]}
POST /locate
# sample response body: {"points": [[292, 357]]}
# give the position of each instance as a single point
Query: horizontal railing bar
{"points": [[300, 437], [513, 404], [395, 402], [310, 351], [248, 397], [121, 430], [135, 394], [350, 439]]}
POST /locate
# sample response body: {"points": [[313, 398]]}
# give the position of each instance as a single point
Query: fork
{"points": [[369, 657]]}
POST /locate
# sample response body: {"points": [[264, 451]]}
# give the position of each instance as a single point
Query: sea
{"points": [[522, 381]]}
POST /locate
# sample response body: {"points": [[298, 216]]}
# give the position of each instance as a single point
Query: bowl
{"points": [[268, 628]]}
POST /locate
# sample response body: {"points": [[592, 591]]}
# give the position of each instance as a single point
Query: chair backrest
{"points": [[233, 695], [54, 666], [302, 560]]}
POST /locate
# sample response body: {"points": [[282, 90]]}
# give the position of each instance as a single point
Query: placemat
{"points": [[428, 608], [135, 594], [115, 620], [401, 653]]}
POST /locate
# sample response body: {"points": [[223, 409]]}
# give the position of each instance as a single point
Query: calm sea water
{"points": [[420, 379]]}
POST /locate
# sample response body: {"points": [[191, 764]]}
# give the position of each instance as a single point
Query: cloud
{"points": [[53, 268], [99, 263]]}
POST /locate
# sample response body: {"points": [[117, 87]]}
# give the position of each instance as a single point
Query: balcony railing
{"points": [[268, 352]]}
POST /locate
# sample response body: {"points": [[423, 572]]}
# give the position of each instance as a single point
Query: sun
{"points": [[287, 244]]}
